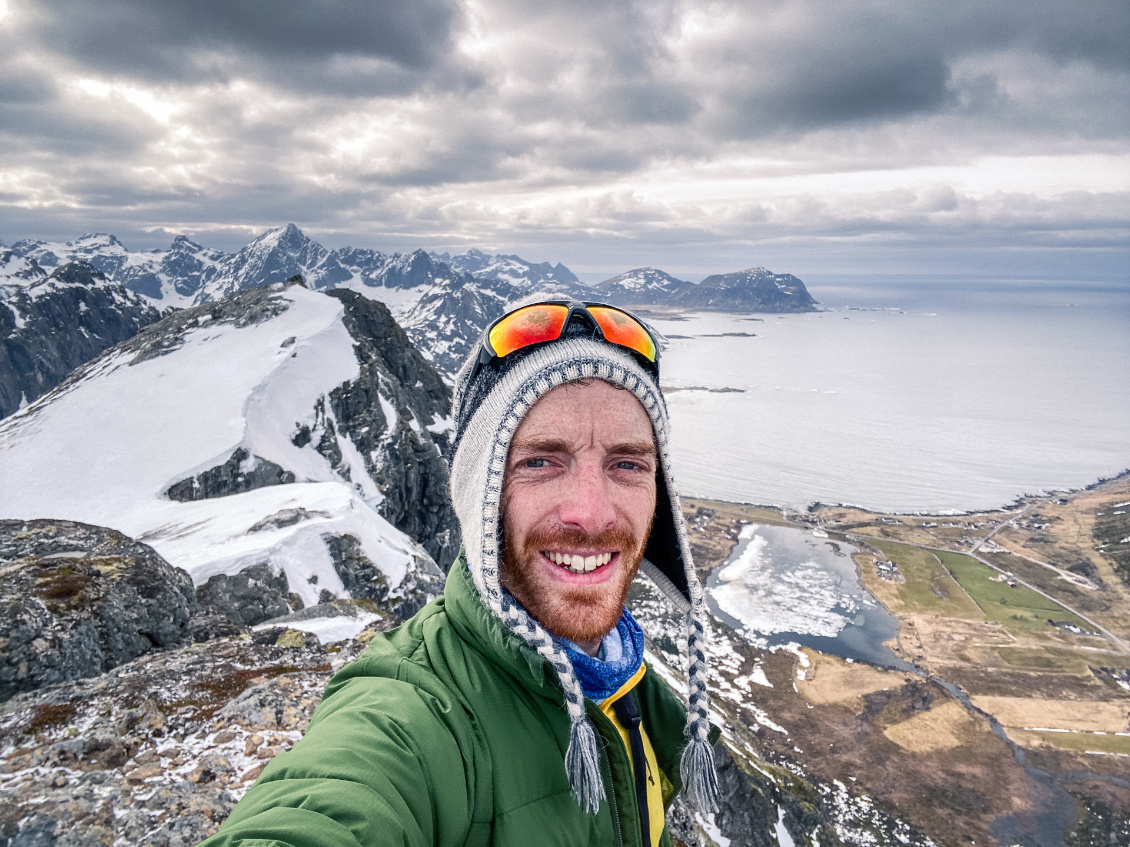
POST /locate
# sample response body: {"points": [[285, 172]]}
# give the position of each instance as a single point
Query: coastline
{"points": [[993, 610]]}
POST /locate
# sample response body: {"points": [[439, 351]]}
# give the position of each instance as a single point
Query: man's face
{"points": [[577, 504]]}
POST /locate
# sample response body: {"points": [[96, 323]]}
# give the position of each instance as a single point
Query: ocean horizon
{"points": [[904, 394]]}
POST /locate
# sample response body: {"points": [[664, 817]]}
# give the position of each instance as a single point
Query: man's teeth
{"points": [[580, 564]]}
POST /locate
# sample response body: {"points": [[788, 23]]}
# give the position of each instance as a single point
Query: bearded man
{"points": [[517, 709]]}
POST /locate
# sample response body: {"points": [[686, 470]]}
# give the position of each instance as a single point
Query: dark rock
{"points": [[77, 600], [285, 518], [365, 581], [241, 472], [54, 325], [207, 624], [747, 812], [361, 578], [249, 597]]}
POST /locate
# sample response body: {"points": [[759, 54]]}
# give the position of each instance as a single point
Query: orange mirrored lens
{"points": [[531, 325], [621, 328]]}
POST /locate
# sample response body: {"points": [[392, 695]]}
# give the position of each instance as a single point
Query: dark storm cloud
{"points": [[191, 38], [802, 67], [521, 119]]}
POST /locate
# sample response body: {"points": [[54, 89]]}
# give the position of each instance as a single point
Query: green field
{"points": [[929, 588], [958, 586], [1020, 609]]}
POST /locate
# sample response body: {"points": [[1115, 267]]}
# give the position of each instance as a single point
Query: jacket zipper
{"points": [[610, 791]]}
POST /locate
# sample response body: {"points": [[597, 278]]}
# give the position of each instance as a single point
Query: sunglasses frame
{"points": [[576, 307]]}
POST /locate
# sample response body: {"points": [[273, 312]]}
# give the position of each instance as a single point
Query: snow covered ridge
{"points": [[274, 428], [415, 286]]}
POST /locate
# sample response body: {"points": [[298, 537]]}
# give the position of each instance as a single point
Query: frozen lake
{"points": [[787, 585], [905, 395]]}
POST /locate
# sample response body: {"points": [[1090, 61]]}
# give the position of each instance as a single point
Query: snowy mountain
{"points": [[51, 324], [276, 255], [443, 301], [174, 277], [513, 269], [640, 287], [283, 430], [753, 290], [100, 250]]}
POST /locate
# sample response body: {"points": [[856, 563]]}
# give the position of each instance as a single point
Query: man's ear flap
{"points": [[663, 548]]}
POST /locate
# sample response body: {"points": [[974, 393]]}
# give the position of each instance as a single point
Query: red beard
{"points": [[578, 612]]}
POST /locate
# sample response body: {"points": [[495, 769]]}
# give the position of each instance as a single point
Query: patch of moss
{"points": [[51, 714]]}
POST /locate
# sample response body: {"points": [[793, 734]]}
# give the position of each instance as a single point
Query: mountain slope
{"points": [[221, 437], [49, 325]]}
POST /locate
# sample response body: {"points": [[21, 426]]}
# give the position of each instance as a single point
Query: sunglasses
{"points": [[542, 322]]}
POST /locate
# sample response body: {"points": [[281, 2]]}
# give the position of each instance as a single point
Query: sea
{"points": [[904, 394]]}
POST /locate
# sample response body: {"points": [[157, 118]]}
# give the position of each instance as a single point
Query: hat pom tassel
{"points": [[582, 766], [699, 778]]}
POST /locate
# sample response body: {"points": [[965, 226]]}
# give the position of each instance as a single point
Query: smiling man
{"points": [[517, 709]]}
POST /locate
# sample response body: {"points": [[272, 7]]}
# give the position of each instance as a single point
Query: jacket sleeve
{"points": [[382, 763]]}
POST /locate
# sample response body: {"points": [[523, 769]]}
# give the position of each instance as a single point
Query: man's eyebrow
{"points": [[541, 445], [558, 445], [634, 448]]}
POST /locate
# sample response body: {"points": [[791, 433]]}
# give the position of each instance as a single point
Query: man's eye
{"points": [[535, 463], [627, 465]]}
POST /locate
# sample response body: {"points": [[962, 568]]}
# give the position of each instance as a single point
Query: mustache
{"points": [[616, 538]]}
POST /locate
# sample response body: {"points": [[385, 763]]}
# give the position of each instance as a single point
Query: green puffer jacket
{"points": [[450, 730]]}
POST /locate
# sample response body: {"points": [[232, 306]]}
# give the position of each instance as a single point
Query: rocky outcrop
{"points": [[450, 317], [241, 472], [51, 326], [397, 415], [247, 598], [77, 600], [365, 581]]}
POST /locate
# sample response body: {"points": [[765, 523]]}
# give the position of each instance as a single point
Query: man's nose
{"points": [[588, 503]]}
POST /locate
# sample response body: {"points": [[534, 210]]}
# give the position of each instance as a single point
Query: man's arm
{"points": [[382, 763]]}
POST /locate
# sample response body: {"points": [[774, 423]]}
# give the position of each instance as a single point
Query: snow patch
{"points": [[783, 837], [711, 829], [330, 629]]}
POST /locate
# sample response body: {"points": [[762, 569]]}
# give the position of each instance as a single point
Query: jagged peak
{"points": [[278, 236], [96, 238], [183, 241]]}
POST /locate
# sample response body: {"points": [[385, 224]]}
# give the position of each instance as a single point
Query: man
{"points": [[517, 709]]}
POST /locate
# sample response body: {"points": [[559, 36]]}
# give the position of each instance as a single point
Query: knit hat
{"points": [[489, 404]]}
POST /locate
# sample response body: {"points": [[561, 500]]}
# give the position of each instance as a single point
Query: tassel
{"points": [[582, 766], [699, 779]]}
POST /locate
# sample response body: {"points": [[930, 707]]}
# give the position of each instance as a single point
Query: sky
{"points": [[846, 136]]}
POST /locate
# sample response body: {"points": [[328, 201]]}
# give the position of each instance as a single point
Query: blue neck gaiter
{"points": [[620, 656]]}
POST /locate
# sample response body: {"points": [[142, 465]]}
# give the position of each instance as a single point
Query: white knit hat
{"points": [[489, 405]]}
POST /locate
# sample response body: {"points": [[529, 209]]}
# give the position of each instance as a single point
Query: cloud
{"points": [[657, 124], [191, 38]]}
